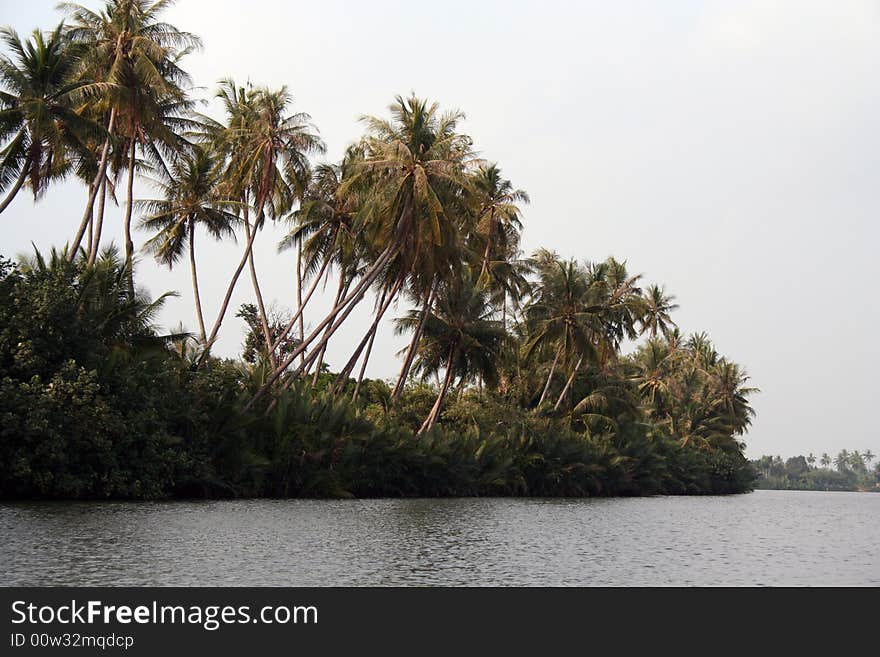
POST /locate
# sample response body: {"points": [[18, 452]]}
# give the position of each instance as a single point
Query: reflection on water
{"points": [[767, 537]]}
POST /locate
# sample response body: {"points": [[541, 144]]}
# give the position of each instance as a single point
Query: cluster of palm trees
{"points": [[409, 213]]}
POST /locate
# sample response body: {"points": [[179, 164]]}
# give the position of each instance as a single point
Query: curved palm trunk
{"points": [[413, 345], [360, 379], [223, 308], [195, 278], [303, 302], [90, 240], [568, 384], [264, 320], [19, 182], [488, 242], [345, 307], [299, 294], [550, 376], [387, 298], [340, 292], [129, 244], [93, 192], [435, 410], [99, 225]]}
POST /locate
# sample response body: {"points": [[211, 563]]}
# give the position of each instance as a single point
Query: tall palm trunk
{"points": [[341, 291], [99, 225], [414, 343], [488, 242], [93, 191], [225, 306], [129, 244], [15, 188], [264, 319], [348, 304], [90, 239], [195, 279], [299, 294], [568, 384], [550, 376], [435, 410], [357, 386]]}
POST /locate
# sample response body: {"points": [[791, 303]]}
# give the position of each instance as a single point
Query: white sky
{"points": [[728, 150]]}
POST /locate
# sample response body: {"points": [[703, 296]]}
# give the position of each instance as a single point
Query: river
{"points": [[763, 538]]}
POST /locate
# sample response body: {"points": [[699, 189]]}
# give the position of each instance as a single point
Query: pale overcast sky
{"points": [[728, 150]]}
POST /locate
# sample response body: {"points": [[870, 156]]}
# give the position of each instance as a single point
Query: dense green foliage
{"points": [[851, 471], [95, 404], [532, 391]]}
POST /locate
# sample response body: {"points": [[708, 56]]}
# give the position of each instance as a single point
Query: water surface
{"points": [[763, 538]]}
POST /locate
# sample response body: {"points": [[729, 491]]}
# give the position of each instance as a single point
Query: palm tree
{"points": [[557, 316], [134, 58], [190, 198], [415, 172], [825, 460], [322, 230], [460, 337], [415, 166], [658, 305], [498, 217], [38, 118], [267, 167], [842, 461]]}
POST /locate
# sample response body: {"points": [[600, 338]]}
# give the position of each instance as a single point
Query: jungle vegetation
{"points": [[520, 375]]}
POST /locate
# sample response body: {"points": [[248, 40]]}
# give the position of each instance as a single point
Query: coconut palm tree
{"points": [[557, 316], [658, 306], [134, 58], [267, 168], [43, 133], [460, 337], [191, 197], [414, 169], [498, 217]]}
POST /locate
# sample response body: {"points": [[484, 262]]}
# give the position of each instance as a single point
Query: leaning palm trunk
{"points": [[302, 302], [299, 293], [348, 304], [568, 384], [413, 345], [93, 190], [90, 240], [15, 188], [485, 266], [340, 293], [261, 307], [195, 278], [385, 301], [550, 376], [99, 225], [357, 386], [223, 308], [435, 410]]}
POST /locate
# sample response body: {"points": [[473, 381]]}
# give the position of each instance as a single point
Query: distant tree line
{"points": [[848, 471]]}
